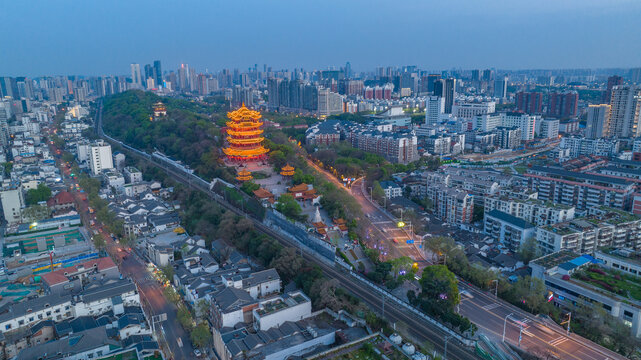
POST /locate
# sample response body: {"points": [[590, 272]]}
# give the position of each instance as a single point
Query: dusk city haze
{"points": [[349, 180]]}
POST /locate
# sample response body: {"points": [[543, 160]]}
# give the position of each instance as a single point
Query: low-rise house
{"points": [[72, 279], [89, 344], [274, 312], [159, 223], [231, 306], [391, 189], [61, 201]]}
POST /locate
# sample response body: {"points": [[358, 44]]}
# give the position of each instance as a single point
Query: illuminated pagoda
{"points": [[159, 110], [244, 135], [244, 175], [287, 170]]}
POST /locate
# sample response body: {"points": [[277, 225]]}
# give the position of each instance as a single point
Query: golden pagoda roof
{"points": [[244, 175], [243, 113], [245, 152], [244, 125], [244, 132], [245, 141], [287, 170]]}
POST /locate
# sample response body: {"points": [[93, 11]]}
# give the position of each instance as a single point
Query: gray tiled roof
{"points": [[107, 290], [231, 299], [260, 277], [513, 220], [74, 344]]}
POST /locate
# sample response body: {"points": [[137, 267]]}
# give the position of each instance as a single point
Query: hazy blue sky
{"points": [[103, 37]]}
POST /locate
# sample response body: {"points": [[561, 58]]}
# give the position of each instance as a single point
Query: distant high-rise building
{"points": [[348, 70], [350, 87], [434, 107], [476, 75], [624, 115], [183, 77], [9, 87], [563, 105], [329, 103], [5, 114], [272, 93], [158, 74], [149, 72], [203, 85], [598, 121], [500, 87], [612, 82], [529, 102], [136, 78], [488, 75], [635, 75], [446, 88], [431, 80]]}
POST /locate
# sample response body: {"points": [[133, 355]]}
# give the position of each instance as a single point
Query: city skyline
{"points": [[105, 39]]}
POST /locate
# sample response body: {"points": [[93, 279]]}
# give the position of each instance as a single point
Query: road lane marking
{"points": [[528, 333], [491, 306], [558, 341]]}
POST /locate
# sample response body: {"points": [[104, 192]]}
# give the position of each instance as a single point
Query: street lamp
{"points": [[447, 337], [505, 324], [569, 314], [496, 288]]}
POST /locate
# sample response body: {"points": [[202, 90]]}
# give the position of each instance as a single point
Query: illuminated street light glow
{"points": [[400, 224]]}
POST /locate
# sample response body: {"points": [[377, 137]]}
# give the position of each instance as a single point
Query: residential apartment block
{"points": [[610, 228], [580, 190], [452, 205], [510, 230], [581, 146], [537, 212]]}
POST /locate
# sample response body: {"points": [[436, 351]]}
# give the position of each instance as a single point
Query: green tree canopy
{"points": [[201, 335], [289, 207], [528, 250], [41, 193], [378, 193], [439, 285]]}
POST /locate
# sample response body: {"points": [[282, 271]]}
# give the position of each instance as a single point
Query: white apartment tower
{"points": [[100, 157], [598, 121], [624, 115], [12, 203], [434, 108]]}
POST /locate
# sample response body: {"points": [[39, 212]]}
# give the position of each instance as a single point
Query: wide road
{"points": [[418, 328], [538, 336], [487, 312], [382, 232]]}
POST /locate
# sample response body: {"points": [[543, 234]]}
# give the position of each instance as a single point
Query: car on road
{"points": [[467, 294], [197, 353]]}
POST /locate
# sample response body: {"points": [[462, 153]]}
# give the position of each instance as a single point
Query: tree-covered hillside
{"points": [[186, 133]]}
